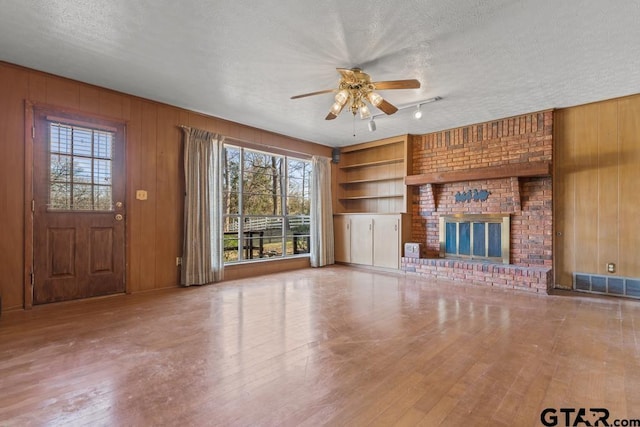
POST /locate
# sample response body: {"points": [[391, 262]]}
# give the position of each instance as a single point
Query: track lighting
{"points": [[418, 113]]}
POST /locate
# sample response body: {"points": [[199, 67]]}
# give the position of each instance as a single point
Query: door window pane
{"points": [[60, 195], [82, 197], [81, 171], [102, 197], [60, 168]]}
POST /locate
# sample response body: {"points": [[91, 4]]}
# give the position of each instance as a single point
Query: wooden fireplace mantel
{"points": [[517, 170], [513, 171]]}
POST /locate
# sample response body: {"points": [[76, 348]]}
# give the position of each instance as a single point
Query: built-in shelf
{"points": [[376, 163], [386, 196], [370, 177], [361, 181]]}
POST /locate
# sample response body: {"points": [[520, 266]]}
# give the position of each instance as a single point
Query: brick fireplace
{"points": [[499, 167]]}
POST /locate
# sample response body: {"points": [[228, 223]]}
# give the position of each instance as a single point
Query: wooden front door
{"points": [[78, 207]]}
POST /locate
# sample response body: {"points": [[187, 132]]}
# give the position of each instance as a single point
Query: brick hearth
{"points": [[482, 273]]}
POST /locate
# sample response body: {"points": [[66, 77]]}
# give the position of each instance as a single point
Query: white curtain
{"points": [[321, 213], [202, 247]]}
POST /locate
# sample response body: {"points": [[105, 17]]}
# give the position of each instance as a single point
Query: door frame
{"points": [[29, 141]]}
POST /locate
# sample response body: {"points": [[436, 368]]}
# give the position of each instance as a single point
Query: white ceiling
{"points": [[242, 60]]}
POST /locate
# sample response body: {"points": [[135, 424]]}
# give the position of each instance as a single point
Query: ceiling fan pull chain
{"points": [[354, 125]]}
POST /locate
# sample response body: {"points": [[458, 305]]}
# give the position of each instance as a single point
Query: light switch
{"points": [[141, 195]]}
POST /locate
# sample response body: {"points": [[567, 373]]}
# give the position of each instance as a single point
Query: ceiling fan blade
{"points": [[387, 107], [330, 116], [320, 92], [397, 84]]}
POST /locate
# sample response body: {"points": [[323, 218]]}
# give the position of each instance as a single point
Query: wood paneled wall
{"points": [[154, 164], [597, 189]]}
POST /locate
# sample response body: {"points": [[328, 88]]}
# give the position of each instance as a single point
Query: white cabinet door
{"points": [[386, 241], [362, 239]]}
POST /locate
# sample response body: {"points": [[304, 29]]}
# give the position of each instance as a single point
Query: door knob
{"points": [[119, 217]]}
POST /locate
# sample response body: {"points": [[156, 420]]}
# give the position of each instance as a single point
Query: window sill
{"points": [[260, 267], [265, 260]]}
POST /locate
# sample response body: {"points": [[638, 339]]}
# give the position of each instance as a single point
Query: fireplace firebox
{"points": [[482, 237]]}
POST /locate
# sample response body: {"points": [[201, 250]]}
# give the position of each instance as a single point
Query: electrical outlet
{"points": [[611, 267], [178, 261]]}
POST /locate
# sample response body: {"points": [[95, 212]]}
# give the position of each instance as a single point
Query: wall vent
{"points": [[608, 285]]}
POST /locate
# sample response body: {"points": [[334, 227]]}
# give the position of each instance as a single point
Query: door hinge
{"points": [[33, 206], [32, 279], [33, 132]]}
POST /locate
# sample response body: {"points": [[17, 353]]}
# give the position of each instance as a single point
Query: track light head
{"points": [[418, 113]]}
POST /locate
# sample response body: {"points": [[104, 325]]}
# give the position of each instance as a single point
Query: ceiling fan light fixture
{"points": [[336, 108], [342, 97], [364, 112], [374, 98]]}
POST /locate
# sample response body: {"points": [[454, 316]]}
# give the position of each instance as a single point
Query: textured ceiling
{"points": [[242, 60]]}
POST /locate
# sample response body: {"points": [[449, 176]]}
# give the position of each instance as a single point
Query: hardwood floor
{"points": [[330, 346]]}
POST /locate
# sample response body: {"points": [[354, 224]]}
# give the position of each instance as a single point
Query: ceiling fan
{"points": [[355, 88]]}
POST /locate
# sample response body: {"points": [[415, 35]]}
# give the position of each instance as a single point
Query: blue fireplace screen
{"points": [[481, 237]]}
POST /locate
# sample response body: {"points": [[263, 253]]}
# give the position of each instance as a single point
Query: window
{"points": [[80, 168], [266, 205]]}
